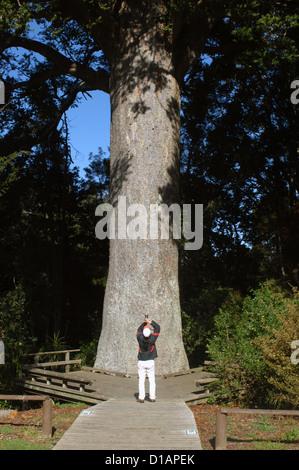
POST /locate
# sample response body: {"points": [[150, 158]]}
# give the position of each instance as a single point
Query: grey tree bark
{"points": [[145, 136]]}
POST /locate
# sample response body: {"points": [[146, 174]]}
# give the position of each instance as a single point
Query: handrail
{"points": [[47, 408], [67, 362], [221, 421], [40, 353]]}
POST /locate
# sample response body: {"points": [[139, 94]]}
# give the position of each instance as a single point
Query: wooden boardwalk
{"points": [[124, 424], [117, 421]]}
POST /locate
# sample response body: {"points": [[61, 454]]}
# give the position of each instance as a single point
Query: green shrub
{"points": [[197, 321], [88, 353], [234, 347], [14, 333], [282, 374]]}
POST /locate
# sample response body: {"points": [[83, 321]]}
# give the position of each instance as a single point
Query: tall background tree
{"points": [[240, 158]]}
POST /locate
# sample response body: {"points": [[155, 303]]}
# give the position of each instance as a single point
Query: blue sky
{"points": [[89, 122], [89, 127]]}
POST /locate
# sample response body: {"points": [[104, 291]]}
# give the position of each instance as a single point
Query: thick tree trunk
{"points": [[143, 273]]}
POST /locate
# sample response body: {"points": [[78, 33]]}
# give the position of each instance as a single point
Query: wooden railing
{"points": [[61, 385], [67, 361], [221, 421], [47, 408]]}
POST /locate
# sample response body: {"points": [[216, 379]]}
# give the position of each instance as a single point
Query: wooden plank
{"points": [[51, 364], [200, 398], [50, 352], [126, 424], [59, 379], [105, 372], [65, 394], [23, 397], [205, 381], [46, 386], [60, 375], [61, 383], [183, 372], [259, 412], [65, 386]]}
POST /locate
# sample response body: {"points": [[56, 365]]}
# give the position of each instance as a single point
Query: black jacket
{"points": [[147, 346]]}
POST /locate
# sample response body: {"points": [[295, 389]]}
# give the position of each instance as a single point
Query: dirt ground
{"points": [[248, 432], [244, 432]]}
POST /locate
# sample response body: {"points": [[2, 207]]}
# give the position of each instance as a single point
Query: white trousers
{"points": [[147, 368]]}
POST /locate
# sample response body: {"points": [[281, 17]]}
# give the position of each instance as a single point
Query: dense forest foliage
{"points": [[239, 158]]}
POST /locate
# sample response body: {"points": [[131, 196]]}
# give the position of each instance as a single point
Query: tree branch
{"points": [[66, 103], [191, 31], [98, 17], [97, 79], [29, 137]]}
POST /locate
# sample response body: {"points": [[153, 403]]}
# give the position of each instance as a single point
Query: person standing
{"points": [[146, 357]]}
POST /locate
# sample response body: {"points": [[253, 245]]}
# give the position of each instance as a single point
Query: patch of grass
{"points": [[267, 445], [291, 435], [18, 444], [6, 429], [25, 431], [264, 424]]}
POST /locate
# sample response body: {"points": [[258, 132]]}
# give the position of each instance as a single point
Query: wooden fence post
{"points": [[67, 358], [221, 422], [47, 417]]}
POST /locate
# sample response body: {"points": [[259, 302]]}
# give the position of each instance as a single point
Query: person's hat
{"points": [[146, 331]]}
